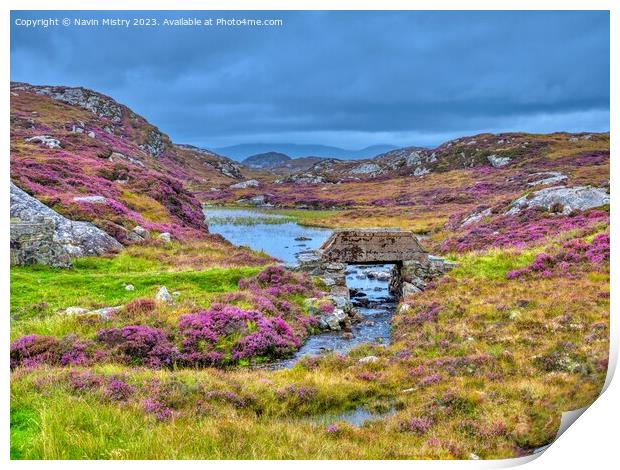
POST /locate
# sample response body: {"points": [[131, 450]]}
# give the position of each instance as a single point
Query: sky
{"points": [[347, 79]]}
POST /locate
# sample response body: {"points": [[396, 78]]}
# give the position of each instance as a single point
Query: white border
{"points": [[591, 443]]}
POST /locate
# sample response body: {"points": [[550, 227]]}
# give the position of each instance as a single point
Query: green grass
{"points": [[24, 429], [99, 282], [493, 264]]}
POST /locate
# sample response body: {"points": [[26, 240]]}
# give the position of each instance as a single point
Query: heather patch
{"points": [[33, 350], [270, 323], [227, 334], [139, 345], [573, 255], [522, 230]]}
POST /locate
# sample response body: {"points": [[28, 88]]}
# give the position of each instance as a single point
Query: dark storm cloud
{"points": [[339, 78]]}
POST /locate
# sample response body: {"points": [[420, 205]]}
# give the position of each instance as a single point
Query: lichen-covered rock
{"points": [[165, 237], [46, 140], [228, 169], [547, 177], [366, 169], [245, 184], [33, 243], [106, 312], [94, 102], [75, 238], [75, 310], [333, 321], [497, 161], [142, 232], [91, 199], [562, 199], [154, 144], [475, 217], [368, 360], [163, 295]]}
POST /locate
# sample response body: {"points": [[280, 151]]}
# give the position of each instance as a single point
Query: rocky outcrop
{"points": [[476, 217], [59, 238], [154, 144], [561, 199], [96, 103], [225, 166], [333, 276], [497, 161], [163, 295], [46, 140], [245, 184], [90, 199], [33, 243], [366, 169], [547, 177], [227, 169]]}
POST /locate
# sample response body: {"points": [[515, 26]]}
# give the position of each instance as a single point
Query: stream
{"points": [[284, 239]]}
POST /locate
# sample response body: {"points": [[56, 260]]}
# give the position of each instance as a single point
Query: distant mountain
{"points": [[266, 160], [242, 151], [295, 165]]}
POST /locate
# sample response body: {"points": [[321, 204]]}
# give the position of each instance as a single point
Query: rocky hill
{"points": [[512, 150], [295, 165], [266, 160], [93, 159]]}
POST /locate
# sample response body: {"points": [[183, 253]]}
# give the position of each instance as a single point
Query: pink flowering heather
{"points": [[298, 393], [326, 308], [33, 350], [572, 254], [273, 339], [278, 281], [427, 314], [520, 230], [430, 379], [117, 390], [113, 164], [76, 355], [272, 293], [228, 334], [82, 381], [139, 344], [158, 409], [332, 429], [417, 425]]}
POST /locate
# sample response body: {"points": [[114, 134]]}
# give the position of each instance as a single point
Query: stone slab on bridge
{"points": [[367, 246]]}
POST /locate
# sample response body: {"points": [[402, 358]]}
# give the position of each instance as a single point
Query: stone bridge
{"points": [[372, 246], [413, 268]]}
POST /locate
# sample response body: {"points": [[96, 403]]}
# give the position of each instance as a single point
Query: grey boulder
{"points": [[562, 199], [76, 238]]}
